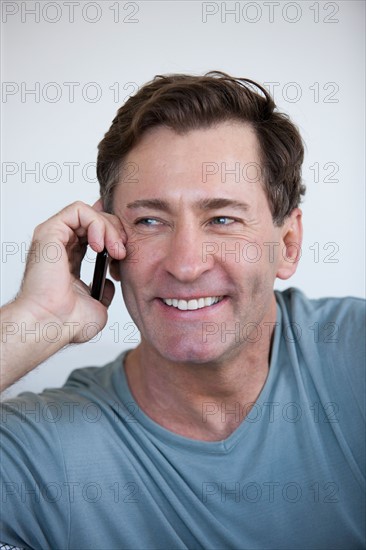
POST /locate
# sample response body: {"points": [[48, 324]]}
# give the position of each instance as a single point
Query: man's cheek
{"points": [[133, 252]]}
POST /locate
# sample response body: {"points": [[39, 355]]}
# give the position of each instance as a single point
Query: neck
{"points": [[206, 401]]}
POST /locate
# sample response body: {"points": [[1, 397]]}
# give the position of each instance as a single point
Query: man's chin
{"points": [[187, 353], [189, 345]]}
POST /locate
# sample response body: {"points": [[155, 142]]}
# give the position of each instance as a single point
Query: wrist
{"points": [[23, 322]]}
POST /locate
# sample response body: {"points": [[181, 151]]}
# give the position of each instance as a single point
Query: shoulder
{"points": [[329, 320], [296, 303], [98, 379], [328, 337], [30, 419], [51, 439], [325, 320]]}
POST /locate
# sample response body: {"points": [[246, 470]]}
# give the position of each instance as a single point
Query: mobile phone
{"points": [[100, 272]]}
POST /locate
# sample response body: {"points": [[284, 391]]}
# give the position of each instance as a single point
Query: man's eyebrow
{"points": [[216, 203], [156, 204], [202, 204]]}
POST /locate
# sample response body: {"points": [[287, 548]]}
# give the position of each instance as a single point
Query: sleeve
{"points": [[332, 345], [35, 512]]}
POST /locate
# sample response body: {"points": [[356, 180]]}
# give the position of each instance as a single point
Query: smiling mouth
{"points": [[191, 305]]}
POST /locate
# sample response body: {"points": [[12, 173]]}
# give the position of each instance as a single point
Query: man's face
{"points": [[197, 231]]}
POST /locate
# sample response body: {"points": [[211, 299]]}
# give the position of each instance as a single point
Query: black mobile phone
{"points": [[100, 272]]}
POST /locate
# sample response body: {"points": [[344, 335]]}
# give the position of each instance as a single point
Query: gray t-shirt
{"points": [[84, 468]]}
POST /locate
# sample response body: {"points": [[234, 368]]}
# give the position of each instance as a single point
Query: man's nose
{"points": [[185, 258]]}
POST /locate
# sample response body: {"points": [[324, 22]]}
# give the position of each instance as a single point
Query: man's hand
{"points": [[52, 293]]}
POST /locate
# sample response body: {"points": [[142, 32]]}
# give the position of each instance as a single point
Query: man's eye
{"points": [[222, 220], [147, 221]]}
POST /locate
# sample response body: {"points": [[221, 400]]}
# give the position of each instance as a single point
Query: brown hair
{"points": [[186, 102]]}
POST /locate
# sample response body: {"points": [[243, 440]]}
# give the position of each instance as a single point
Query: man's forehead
{"points": [[226, 139], [197, 167], [224, 153]]}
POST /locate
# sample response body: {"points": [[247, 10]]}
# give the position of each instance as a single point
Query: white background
{"points": [[313, 51]]}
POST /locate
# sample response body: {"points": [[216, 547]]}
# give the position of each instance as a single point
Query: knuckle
{"points": [[78, 204]]}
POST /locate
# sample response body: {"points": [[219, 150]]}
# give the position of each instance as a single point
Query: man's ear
{"points": [[290, 245], [114, 269]]}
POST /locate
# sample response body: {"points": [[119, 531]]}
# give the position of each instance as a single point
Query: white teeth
{"points": [[185, 305]]}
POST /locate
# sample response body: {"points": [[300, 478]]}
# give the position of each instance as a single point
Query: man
{"points": [[238, 421]]}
